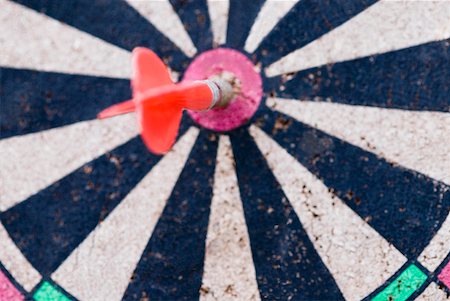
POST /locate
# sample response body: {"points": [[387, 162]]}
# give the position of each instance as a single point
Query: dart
{"points": [[159, 102]]}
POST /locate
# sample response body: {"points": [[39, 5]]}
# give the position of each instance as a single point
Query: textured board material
{"points": [[330, 183], [124, 245], [353, 245], [229, 269], [433, 293]]}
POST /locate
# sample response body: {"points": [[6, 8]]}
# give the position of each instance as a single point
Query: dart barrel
{"points": [[222, 93]]}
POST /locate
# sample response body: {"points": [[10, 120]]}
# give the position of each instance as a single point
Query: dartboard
{"points": [[329, 182]]}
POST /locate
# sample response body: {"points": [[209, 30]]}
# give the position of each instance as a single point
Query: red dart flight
{"points": [[159, 102]]}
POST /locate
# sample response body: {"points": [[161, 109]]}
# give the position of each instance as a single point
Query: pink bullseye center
{"points": [[244, 105]]}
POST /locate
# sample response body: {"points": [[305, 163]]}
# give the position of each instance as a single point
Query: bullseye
{"points": [[235, 67]]}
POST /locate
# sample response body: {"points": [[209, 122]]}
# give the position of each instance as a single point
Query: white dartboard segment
{"points": [[162, 15], [31, 40], [37, 160], [218, 14], [383, 27], [417, 140], [111, 252], [359, 258], [433, 293], [228, 258], [269, 15], [16, 264]]}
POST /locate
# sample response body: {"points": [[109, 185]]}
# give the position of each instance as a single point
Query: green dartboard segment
{"points": [[404, 286], [48, 292]]}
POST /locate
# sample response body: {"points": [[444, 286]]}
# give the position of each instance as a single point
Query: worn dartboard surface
{"points": [[337, 188]]}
